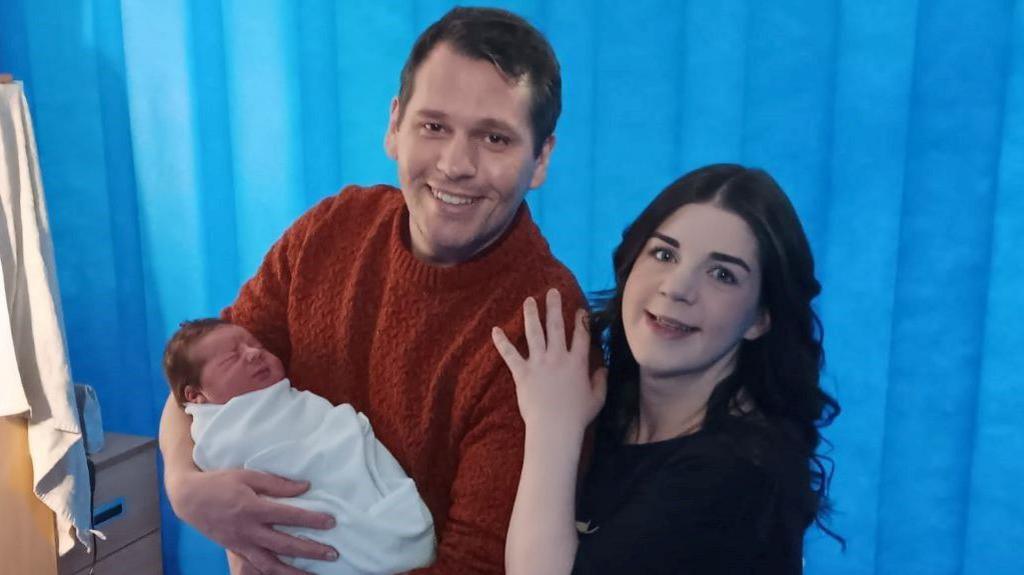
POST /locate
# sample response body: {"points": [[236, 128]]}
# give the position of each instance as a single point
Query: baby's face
{"points": [[233, 362]]}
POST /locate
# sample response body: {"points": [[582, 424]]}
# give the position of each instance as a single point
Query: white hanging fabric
{"points": [[35, 379]]}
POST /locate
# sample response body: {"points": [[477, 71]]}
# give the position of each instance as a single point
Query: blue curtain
{"points": [[178, 138]]}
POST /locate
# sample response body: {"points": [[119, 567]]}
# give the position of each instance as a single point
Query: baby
{"points": [[245, 414]]}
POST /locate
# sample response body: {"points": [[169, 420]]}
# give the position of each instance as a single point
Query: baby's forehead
{"points": [[222, 339]]}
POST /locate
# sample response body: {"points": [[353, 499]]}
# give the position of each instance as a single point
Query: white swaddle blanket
{"points": [[382, 524]]}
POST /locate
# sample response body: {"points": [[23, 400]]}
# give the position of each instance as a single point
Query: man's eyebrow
{"points": [[496, 124], [433, 114], [485, 124], [668, 240], [719, 256]]}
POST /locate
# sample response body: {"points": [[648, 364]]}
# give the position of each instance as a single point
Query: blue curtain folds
{"points": [[178, 139]]}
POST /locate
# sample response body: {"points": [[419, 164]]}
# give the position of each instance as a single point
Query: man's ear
{"points": [[194, 395], [540, 171], [391, 136], [761, 325]]}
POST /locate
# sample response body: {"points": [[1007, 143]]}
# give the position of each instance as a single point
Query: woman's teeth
{"points": [[673, 324]]}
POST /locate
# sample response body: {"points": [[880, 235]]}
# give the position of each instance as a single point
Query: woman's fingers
{"points": [[506, 350], [581, 334], [534, 332], [555, 323]]}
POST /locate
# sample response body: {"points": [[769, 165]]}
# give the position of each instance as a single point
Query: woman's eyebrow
{"points": [[668, 240], [719, 256]]}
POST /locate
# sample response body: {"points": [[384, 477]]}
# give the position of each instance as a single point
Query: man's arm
{"points": [[490, 462], [229, 506], [490, 455]]}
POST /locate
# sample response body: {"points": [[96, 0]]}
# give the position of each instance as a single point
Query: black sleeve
{"points": [[698, 514]]}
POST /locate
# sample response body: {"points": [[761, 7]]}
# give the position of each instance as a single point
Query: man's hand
{"points": [[227, 507]]}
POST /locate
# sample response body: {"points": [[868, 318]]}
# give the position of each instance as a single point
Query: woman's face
{"points": [[693, 295]]}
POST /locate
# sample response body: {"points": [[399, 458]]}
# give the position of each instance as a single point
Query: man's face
{"points": [[233, 362], [464, 149]]}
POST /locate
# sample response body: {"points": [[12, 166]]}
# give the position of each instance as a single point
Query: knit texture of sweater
{"points": [[356, 318]]}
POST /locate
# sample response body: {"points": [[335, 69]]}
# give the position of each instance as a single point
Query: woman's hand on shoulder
{"points": [[553, 387]]}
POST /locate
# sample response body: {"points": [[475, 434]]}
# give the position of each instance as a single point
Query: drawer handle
{"points": [[108, 512]]}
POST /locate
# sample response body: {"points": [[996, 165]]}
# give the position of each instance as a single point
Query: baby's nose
{"points": [[252, 354]]}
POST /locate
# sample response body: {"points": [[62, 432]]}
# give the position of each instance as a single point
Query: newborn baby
{"points": [[245, 414]]}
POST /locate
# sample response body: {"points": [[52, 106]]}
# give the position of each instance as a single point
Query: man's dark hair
{"points": [[516, 48]]}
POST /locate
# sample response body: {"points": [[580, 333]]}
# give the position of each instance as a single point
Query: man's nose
{"points": [[458, 158]]}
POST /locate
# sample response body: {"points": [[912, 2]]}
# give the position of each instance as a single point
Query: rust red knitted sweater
{"points": [[357, 319]]}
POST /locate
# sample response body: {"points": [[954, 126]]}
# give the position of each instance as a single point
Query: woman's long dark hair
{"points": [[778, 373]]}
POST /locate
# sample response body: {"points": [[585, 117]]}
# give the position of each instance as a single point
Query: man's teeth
{"points": [[452, 200]]}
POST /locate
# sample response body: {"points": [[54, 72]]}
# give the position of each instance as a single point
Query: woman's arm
{"points": [[557, 400]]}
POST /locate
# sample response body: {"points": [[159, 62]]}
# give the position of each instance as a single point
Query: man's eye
{"points": [[723, 275], [498, 139], [433, 127]]}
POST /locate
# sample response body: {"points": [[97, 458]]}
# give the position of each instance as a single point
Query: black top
{"points": [[711, 502]]}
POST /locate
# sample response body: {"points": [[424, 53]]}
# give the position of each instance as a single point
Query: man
{"points": [[386, 300]]}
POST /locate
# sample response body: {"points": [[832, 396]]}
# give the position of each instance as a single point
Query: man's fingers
{"points": [[273, 485], [506, 350], [581, 334], [290, 546], [266, 563], [238, 565], [273, 513], [534, 331], [555, 322]]}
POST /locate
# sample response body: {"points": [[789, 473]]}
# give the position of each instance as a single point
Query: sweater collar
{"points": [[520, 241]]}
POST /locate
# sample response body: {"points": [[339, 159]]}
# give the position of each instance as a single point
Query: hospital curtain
{"points": [[178, 138]]}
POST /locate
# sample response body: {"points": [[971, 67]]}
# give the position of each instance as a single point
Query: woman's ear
{"points": [[761, 325]]}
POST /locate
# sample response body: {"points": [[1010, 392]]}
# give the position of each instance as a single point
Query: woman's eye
{"points": [[723, 275], [661, 254]]}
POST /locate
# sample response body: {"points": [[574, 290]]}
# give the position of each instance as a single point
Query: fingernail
{"points": [[331, 555], [330, 523]]}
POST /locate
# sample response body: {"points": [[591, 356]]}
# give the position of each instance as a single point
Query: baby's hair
{"points": [[178, 368]]}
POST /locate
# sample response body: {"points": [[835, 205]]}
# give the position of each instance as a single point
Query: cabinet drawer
{"points": [[140, 558], [126, 505]]}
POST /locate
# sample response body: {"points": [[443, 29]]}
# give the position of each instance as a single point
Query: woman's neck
{"points": [[675, 405]]}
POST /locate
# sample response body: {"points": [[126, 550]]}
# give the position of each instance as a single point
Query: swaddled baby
{"points": [[245, 414]]}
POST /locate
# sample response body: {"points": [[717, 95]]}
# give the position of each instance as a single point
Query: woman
{"points": [[705, 458]]}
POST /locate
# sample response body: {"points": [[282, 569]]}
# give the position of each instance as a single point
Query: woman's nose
{"points": [[680, 285]]}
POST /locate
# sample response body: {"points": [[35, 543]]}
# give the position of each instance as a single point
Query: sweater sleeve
{"points": [[262, 304], [490, 460]]}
